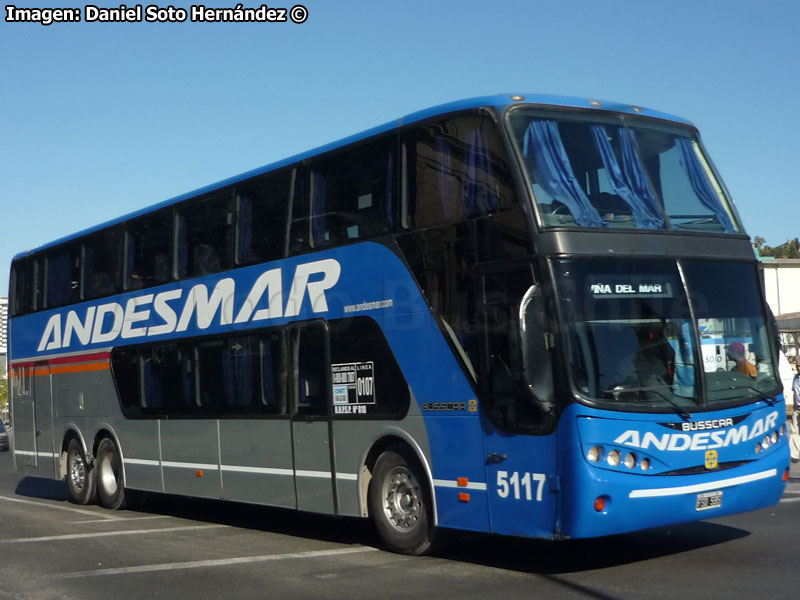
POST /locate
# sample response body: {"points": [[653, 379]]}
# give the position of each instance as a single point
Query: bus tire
{"points": [[400, 503], [110, 485], [80, 476]]}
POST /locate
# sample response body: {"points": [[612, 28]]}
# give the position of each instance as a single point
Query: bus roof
{"points": [[499, 101]]}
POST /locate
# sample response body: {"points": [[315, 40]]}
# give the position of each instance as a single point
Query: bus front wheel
{"points": [[110, 486], [400, 505], [80, 476]]}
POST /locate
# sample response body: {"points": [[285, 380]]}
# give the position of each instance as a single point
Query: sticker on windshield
{"points": [[631, 286], [353, 387]]}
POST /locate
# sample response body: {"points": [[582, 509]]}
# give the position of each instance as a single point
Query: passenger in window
{"points": [[736, 353], [161, 268], [206, 260], [100, 285]]}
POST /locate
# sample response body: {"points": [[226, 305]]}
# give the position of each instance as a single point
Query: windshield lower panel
{"points": [[619, 172], [658, 335]]}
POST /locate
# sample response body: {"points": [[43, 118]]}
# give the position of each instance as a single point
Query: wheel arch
{"points": [[71, 432], [107, 431], [393, 437]]}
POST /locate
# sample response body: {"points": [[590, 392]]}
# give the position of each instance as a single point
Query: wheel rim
{"points": [[108, 478], [77, 473], [402, 502]]}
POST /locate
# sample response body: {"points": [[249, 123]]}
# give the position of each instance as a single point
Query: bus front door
{"points": [[43, 430], [311, 425], [521, 470]]}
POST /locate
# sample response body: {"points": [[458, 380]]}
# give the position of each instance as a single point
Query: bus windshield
{"points": [[620, 172], [640, 334]]}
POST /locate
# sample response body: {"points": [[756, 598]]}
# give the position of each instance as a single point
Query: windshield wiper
{"points": [[762, 395], [684, 414]]}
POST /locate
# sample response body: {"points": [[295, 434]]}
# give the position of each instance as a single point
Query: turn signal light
{"points": [[600, 503]]}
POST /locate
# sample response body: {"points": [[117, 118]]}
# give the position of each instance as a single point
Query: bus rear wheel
{"points": [[80, 476], [400, 505], [110, 488]]}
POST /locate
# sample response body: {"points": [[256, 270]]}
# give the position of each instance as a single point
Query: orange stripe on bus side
{"points": [[80, 368]]}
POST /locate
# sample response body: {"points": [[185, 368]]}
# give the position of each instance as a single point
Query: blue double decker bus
{"points": [[524, 315]]}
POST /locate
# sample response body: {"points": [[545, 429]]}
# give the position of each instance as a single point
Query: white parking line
{"points": [[795, 499], [60, 507], [80, 536], [121, 519], [196, 564]]}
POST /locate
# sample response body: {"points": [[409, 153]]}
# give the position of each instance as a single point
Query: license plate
{"points": [[708, 501]]}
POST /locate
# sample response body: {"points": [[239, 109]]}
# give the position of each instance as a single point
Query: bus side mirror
{"points": [[536, 344]]}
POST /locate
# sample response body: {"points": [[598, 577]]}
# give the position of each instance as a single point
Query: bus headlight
{"points": [[758, 448], [774, 437], [595, 454], [765, 442], [645, 464], [613, 458], [630, 460]]}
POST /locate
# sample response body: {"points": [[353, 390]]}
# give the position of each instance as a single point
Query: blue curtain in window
{"points": [[389, 191], [636, 176], [59, 280], [238, 376], [183, 247], [246, 228], [684, 362], [701, 185], [444, 165], [318, 209], [153, 397], [268, 378], [480, 198], [544, 150], [632, 186]]}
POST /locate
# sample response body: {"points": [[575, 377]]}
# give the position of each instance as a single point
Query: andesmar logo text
{"points": [[707, 440], [105, 323]]}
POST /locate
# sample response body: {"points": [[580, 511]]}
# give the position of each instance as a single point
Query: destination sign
{"points": [[627, 286]]}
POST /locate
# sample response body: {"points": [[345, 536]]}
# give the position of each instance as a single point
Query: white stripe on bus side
{"points": [[243, 469], [702, 487], [471, 485]]}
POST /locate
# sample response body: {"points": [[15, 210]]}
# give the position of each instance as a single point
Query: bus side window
{"points": [[205, 236], [366, 379], [21, 284], [63, 277], [455, 169], [503, 392], [353, 195], [261, 217], [273, 374], [101, 264], [168, 379], [127, 376], [443, 261], [149, 251], [311, 364]]}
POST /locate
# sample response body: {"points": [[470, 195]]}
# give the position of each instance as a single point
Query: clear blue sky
{"points": [[97, 119]]}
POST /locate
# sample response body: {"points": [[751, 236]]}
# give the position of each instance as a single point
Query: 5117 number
{"points": [[518, 485]]}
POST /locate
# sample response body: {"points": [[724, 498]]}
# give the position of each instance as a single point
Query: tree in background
{"points": [[3, 395], [789, 249]]}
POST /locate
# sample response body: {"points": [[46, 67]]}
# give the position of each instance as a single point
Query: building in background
{"points": [[3, 337], [781, 279], [4, 359]]}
